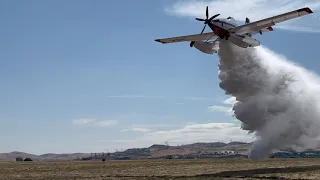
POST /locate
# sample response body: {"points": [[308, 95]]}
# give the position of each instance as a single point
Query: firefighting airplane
{"points": [[227, 28]]}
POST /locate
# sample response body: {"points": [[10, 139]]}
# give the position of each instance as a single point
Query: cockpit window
{"points": [[229, 20]]}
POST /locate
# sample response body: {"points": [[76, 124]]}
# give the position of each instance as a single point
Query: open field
{"points": [[227, 169]]}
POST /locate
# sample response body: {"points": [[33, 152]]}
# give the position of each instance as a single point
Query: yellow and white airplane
{"points": [[227, 28]]}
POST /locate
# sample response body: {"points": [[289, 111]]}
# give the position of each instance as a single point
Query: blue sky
{"points": [[87, 76]]}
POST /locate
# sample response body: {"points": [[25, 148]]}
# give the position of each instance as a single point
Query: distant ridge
{"points": [[50, 156], [153, 151], [195, 150]]}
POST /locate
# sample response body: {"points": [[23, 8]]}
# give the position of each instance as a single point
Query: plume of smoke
{"points": [[276, 99]]}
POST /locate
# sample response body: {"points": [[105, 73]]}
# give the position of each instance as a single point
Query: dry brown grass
{"points": [[227, 169]]}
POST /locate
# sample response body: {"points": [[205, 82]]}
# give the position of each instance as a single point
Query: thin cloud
{"points": [[179, 103], [105, 123], [254, 10], [82, 121], [231, 101], [224, 109], [137, 130], [94, 122], [153, 126], [190, 133], [148, 127], [133, 96], [195, 98], [137, 96]]}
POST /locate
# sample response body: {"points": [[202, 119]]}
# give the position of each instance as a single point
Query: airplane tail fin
{"points": [[261, 31], [247, 20]]}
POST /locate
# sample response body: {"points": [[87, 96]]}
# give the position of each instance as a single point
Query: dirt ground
{"points": [[226, 169]]}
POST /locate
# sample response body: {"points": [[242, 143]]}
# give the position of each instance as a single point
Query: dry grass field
{"points": [[226, 169]]}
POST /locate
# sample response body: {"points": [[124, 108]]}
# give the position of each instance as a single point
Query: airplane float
{"points": [[227, 28]]}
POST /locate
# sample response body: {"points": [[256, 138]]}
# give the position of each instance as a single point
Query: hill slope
{"points": [[153, 151], [196, 150], [13, 155]]}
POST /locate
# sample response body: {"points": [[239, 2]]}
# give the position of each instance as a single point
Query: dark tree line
{"points": [[21, 159]]}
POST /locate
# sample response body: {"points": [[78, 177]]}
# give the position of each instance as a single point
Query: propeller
{"points": [[206, 21]]}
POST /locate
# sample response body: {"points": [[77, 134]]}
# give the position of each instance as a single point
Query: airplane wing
{"points": [[262, 30], [264, 23], [194, 37]]}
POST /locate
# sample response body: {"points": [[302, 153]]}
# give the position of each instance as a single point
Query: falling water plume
{"points": [[276, 99]]}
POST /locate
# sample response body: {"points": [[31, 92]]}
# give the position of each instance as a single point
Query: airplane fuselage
{"points": [[221, 26]]}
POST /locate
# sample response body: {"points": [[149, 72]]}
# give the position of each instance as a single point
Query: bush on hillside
{"points": [[27, 159], [19, 159]]}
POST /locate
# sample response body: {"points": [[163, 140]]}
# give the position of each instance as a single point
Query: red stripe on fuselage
{"points": [[218, 30], [270, 28]]}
